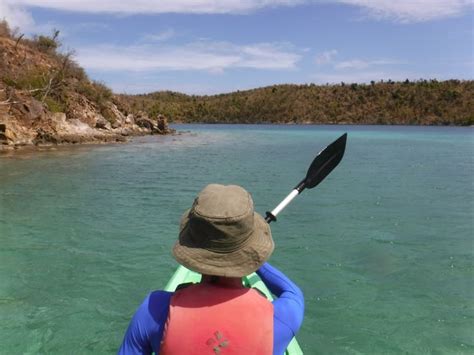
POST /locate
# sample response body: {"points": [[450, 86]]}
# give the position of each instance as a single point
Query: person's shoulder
{"points": [[157, 301], [146, 327], [154, 307], [159, 294]]}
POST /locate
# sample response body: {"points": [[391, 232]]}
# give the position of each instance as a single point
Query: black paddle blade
{"points": [[325, 162]]}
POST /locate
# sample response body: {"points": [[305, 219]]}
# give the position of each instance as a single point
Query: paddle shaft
{"points": [[271, 216]]}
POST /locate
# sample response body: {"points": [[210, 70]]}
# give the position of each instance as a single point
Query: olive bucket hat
{"points": [[222, 235]]}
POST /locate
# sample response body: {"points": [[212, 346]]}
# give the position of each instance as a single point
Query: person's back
{"points": [[222, 238], [211, 317]]}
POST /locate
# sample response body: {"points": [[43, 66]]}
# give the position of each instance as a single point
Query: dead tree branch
{"points": [[18, 40]]}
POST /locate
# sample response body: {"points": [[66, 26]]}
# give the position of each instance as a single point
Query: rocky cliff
{"points": [[47, 99]]}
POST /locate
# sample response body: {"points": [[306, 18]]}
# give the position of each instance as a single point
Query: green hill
{"points": [[424, 102]]}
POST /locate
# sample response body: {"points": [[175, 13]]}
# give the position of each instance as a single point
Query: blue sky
{"points": [[215, 46]]}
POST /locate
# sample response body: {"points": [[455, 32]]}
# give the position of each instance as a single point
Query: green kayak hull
{"points": [[184, 275]]}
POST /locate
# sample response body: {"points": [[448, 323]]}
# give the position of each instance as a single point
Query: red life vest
{"points": [[212, 319]]}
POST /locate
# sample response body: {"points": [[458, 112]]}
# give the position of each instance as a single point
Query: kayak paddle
{"points": [[322, 165]]}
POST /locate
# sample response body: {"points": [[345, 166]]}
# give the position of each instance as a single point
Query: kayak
{"points": [[183, 275]]}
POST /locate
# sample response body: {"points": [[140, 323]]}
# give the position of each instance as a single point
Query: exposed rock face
{"points": [[162, 124], [102, 123], [144, 123], [6, 133], [156, 126], [37, 126], [129, 119], [46, 99]]}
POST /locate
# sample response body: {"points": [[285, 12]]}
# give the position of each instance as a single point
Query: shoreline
{"points": [[317, 124], [10, 150]]}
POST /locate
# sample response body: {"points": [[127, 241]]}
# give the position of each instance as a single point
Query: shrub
{"points": [[5, 30], [100, 95], [76, 72], [9, 82], [45, 44], [108, 114], [54, 105], [28, 80], [95, 91], [103, 92]]}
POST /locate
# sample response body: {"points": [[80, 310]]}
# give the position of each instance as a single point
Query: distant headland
{"points": [[421, 102]]}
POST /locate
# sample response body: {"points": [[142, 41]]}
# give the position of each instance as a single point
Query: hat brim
{"points": [[239, 263]]}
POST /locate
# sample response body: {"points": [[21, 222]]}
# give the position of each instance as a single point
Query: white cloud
{"points": [[158, 6], [16, 16], [159, 37], [204, 56], [326, 57], [17, 12], [362, 64], [266, 56], [407, 11]]}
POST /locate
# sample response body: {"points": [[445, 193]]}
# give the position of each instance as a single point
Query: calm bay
{"points": [[382, 249]]}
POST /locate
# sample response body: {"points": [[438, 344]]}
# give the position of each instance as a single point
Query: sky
{"points": [[215, 46]]}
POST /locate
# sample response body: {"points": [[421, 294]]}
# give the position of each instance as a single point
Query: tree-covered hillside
{"points": [[424, 102]]}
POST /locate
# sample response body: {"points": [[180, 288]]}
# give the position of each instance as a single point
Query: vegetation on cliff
{"points": [[424, 102], [47, 98]]}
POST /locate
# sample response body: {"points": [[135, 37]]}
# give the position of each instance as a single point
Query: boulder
{"points": [[76, 126], [162, 124], [130, 119], [102, 123], [116, 113], [33, 109], [45, 137], [116, 124], [6, 135], [58, 119], [126, 132], [14, 134], [143, 122]]}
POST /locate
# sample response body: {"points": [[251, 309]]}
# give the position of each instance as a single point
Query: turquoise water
{"points": [[383, 248]]}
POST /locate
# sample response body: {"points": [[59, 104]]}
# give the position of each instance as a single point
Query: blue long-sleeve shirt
{"points": [[145, 331]]}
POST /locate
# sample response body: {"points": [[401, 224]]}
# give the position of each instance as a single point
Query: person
{"points": [[222, 238]]}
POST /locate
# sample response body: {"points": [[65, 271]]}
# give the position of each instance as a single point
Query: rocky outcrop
{"points": [[159, 125], [47, 99], [39, 127], [162, 124]]}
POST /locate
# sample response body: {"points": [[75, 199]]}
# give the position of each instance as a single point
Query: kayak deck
{"points": [[184, 275]]}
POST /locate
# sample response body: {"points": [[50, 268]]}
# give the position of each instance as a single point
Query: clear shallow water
{"points": [[383, 248]]}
